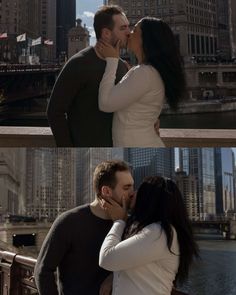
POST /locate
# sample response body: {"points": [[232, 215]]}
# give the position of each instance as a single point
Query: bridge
{"points": [[24, 89], [23, 68], [224, 226]]}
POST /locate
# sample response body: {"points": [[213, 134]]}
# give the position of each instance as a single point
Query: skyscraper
{"points": [[36, 18], [66, 16], [151, 161], [86, 161], [224, 48], [12, 173], [51, 182], [194, 23], [232, 27], [225, 179], [199, 162], [48, 21], [9, 23], [187, 184], [9, 16], [30, 17]]}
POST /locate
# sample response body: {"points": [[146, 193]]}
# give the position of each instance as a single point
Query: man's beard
{"points": [[123, 44]]}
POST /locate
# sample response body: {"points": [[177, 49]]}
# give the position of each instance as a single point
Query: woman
{"points": [[138, 99], [153, 249]]}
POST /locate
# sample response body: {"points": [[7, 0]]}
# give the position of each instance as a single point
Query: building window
{"points": [[198, 44], [229, 77], [203, 44], [192, 43], [207, 77]]}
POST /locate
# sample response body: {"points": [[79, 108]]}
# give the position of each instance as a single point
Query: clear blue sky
{"points": [[85, 10]]}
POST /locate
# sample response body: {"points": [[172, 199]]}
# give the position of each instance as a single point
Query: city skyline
{"points": [[43, 182]]}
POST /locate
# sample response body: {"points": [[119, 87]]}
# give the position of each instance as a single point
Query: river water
{"points": [[215, 273], [224, 120], [21, 114]]}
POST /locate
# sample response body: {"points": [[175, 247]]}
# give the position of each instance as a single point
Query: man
{"points": [[73, 243], [73, 112]]}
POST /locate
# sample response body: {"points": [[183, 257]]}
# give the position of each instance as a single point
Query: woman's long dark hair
{"points": [[161, 51], [159, 200]]}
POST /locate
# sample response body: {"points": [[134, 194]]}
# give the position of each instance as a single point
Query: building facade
{"points": [[9, 16], [51, 182], [86, 161], [187, 184], [199, 162], [194, 23], [232, 27], [12, 179], [48, 19], [78, 38], [151, 161], [66, 16], [225, 179]]}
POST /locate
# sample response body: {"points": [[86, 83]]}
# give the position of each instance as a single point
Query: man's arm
{"points": [[106, 286], [53, 249], [63, 93]]}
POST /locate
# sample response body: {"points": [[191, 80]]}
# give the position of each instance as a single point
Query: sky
{"points": [[85, 10]]}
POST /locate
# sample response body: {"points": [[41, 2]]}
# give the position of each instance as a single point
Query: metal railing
{"points": [[16, 274], [12, 68]]}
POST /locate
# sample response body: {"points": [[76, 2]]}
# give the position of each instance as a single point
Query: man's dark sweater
{"points": [[73, 111], [72, 244]]}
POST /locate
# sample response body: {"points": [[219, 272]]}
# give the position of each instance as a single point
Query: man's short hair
{"points": [[104, 18], [105, 174]]}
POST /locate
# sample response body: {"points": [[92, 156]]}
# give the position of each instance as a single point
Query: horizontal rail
{"points": [[42, 136], [12, 68]]}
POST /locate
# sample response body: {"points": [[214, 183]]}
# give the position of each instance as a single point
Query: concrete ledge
{"points": [[42, 137], [26, 137], [199, 137]]}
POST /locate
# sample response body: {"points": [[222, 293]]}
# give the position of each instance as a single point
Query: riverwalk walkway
{"points": [[42, 137]]}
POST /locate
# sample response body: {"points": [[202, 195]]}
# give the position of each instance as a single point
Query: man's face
{"points": [[121, 30], [124, 188]]}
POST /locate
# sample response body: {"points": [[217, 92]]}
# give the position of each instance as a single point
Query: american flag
{"points": [[3, 35], [48, 42]]}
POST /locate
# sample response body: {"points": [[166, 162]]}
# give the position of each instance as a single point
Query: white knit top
{"points": [[136, 101], [142, 264]]}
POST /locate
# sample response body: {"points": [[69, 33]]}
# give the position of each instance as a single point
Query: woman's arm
{"points": [[142, 248], [131, 88]]}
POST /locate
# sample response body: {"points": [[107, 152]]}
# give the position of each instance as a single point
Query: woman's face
{"points": [[135, 40]]}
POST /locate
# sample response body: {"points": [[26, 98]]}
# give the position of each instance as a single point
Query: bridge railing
{"points": [[6, 68], [16, 274], [219, 217]]}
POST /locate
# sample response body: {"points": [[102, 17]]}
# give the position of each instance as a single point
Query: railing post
{"points": [[16, 274], [25, 280], [7, 272]]}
